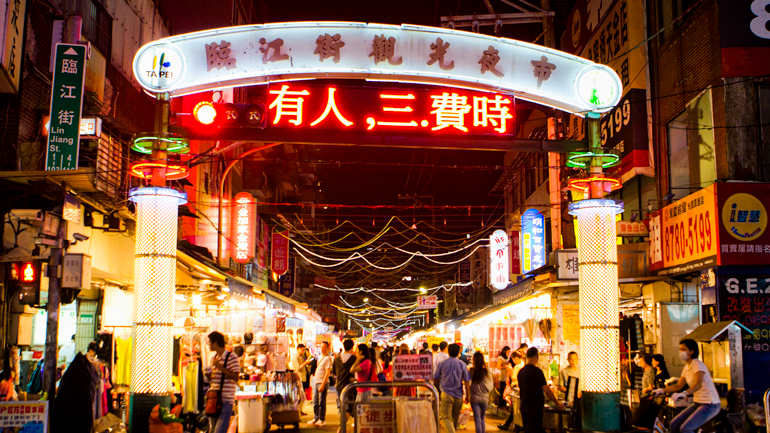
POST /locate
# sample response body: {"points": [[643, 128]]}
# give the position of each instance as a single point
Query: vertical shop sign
{"points": [[264, 240], [66, 106], [465, 271], [515, 251], [288, 280], [498, 260], [243, 222], [280, 252], [13, 53], [532, 240]]}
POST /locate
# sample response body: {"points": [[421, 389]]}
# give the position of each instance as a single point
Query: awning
{"points": [[714, 331], [241, 286], [279, 301], [197, 272]]}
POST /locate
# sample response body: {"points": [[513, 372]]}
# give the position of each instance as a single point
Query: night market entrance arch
{"points": [[248, 55]]}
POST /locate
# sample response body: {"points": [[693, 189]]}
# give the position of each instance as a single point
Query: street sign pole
{"points": [[66, 105]]}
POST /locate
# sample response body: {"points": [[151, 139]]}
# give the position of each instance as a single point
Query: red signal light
{"points": [[28, 273], [205, 113]]}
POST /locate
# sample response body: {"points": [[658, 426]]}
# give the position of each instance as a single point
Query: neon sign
{"points": [[243, 222], [499, 266], [446, 111], [532, 240]]}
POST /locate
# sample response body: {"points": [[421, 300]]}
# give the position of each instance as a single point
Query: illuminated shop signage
{"points": [[532, 240], [499, 266], [246, 55], [442, 111], [243, 222]]}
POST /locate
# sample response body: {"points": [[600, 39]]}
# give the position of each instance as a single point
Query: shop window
{"points": [[97, 27], [692, 164]]}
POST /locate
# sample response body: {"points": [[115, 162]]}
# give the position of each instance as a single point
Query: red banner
{"points": [[243, 238], [280, 252]]}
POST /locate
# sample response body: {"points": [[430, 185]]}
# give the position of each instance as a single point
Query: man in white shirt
{"points": [[441, 355], [67, 353], [321, 386]]}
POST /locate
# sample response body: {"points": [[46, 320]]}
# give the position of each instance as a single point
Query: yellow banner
{"points": [[689, 228], [434, 340]]}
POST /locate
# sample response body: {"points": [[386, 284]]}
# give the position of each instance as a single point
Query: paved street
{"points": [[333, 419]]}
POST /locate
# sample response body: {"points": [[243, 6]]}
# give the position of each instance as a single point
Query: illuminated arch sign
{"points": [[247, 55]]}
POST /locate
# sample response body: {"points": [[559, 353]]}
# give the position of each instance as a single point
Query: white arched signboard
{"points": [[246, 55]]}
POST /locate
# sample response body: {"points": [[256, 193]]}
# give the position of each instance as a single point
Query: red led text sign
{"points": [[243, 227], [442, 111]]}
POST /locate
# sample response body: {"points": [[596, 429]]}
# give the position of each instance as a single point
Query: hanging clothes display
{"points": [[190, 388], [123, 348]]}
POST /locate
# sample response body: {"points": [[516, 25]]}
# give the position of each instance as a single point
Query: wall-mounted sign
{"points": [[264, 242], [31, 416], [744, 38], [90, 128], [532, 240], [279, 256], [631, 264], [243, 238], [515, 251], [15, 12], [427, 302], [722, 224], [499, 264], [629, 228], [246, 55]]}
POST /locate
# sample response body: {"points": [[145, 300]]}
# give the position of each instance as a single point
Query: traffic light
{"points": [[27, 276], [229, 115]]}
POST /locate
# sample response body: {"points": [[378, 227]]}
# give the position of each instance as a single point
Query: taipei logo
{"points": [[160, 73], [159, 67]]}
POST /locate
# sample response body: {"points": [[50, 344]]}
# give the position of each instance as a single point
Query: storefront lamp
{"points": [[197, 300]]}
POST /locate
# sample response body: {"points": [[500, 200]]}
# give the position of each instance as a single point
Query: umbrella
{"points": [[545, 328]]}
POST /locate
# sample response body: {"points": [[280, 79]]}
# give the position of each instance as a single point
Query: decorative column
{"points": [[157, 212], [599, 290], [154, 287]]}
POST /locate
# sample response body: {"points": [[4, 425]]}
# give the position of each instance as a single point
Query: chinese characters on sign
{"points": [[515, 252], [66, 104], [631, 264], [498, 260], [533, 240], [427, 302], [287, 281], [412, 367], [280, 252], [14, 42], [218, 56], [446, 112], [376, 418], [629, 228], [242, 244], [30, 416]]}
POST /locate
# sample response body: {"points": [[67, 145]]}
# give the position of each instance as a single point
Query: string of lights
{"points": [[372, 264]]}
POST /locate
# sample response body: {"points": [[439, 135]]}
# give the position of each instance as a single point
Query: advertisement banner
{"points": [[722, 224], [744, 38], [434, 340], [280, 252], [743, 294], [243, 222], [264, 240], [412, 367], [499, 247], [688, 233], [31, 416], [743, 235], [427, 302]]}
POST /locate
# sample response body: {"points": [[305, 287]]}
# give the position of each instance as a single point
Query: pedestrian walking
{"points": [[452, 375], [532, 386], [342, 366], [321, 386], [481, 385], [365, 371], [223, 376]]}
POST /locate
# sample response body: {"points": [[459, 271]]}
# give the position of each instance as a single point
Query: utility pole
{"points": [[54, 306]]}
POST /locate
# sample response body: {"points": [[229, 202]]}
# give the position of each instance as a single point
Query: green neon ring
{"points": [[584, 159], [168, 141]]}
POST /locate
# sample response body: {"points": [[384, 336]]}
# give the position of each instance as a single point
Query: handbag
{"points": [[214, 396]]}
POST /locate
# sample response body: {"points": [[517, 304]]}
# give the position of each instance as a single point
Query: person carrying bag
{"points": [[214, 396]]}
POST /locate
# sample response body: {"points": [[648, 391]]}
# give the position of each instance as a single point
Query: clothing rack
{"points": [[112, 349]]}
